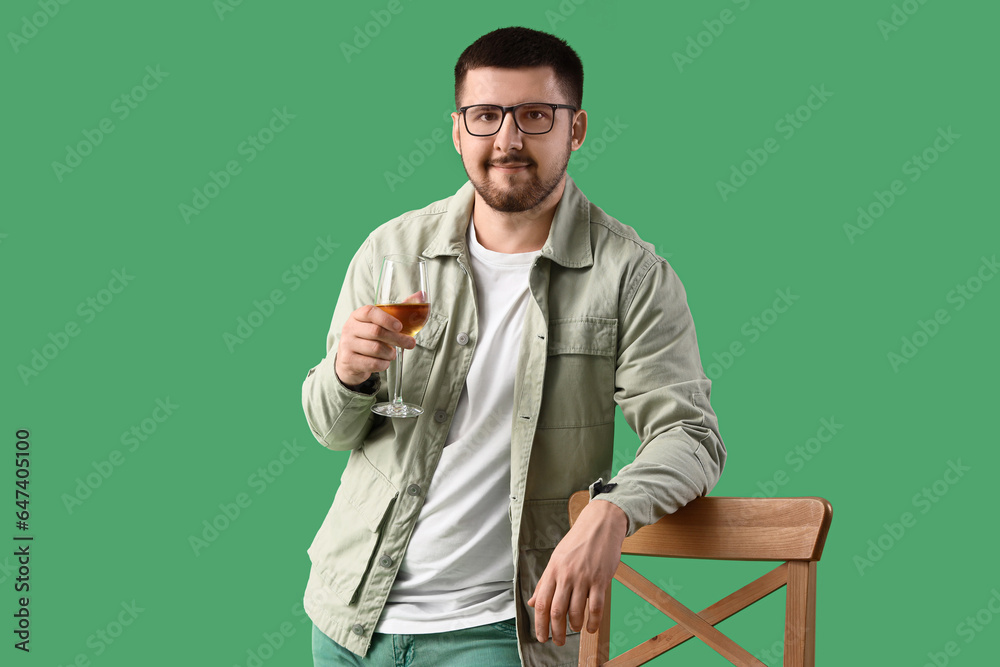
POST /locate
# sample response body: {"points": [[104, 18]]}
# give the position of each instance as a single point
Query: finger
{"points": [[372, 331], [353, 369], [370, 358], [377, 316], [577, 606], [359, 350], [369, 340], [557, 614], [416, 297], [388, 328], [596, 609], [542, 600]]}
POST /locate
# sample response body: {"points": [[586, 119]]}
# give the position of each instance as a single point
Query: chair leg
{"points": [[800, 615], [594, 648]]}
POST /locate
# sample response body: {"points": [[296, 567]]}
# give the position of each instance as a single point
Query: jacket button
{"points": [[413, 490], [462, 338], [385, 561], [358, 629], [440, 416]]}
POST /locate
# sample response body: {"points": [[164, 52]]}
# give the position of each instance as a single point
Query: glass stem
{"points": [[397, 397]]}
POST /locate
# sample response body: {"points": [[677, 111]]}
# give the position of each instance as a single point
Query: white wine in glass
{"points": [[402, 292]]}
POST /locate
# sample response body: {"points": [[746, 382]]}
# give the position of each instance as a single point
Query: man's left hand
{"points": [[581, 567]]}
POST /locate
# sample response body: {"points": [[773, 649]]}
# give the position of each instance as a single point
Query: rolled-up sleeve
{"points": [[664, 395], [339, 417]]}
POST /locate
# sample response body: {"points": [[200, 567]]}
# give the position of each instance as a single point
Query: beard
{"points": [[510, 197]]}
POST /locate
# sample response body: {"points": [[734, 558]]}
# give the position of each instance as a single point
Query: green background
{"points": [[680, 130]]}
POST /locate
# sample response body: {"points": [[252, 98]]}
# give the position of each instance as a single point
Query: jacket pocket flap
{"points": [[430, 335], [583, 335], [343, 548], [371, 493], [544, 523]]}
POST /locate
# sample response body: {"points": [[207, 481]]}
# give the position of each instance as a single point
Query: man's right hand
{"points": [[368, 344]]}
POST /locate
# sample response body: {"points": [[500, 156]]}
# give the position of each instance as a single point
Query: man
{"points": [[450, 529]]}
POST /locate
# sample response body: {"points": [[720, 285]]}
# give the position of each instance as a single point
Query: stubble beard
{"points": [[520, 198]]}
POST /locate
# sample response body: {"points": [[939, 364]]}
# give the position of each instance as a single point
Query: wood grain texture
{"points": [[724, 528], [691, 621], [800, 615], [713, 614], [594, 647]]}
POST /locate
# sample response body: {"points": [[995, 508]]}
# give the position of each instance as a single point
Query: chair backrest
{"points": [[792, 530]]}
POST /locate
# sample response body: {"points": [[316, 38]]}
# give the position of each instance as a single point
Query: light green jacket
{"points": [[608, 325]]}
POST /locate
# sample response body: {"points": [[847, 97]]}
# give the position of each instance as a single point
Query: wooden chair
{"points": [[766, 529]]}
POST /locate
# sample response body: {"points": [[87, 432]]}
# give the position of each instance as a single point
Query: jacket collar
{"points": [[568, 243]]}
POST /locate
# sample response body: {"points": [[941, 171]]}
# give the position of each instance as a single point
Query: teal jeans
{"points": [[491, 645]]}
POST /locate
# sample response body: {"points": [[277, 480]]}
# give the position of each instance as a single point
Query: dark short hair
{"points": [[516, 47]]}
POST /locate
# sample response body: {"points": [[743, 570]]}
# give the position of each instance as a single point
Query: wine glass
{"points": [[402, 292]]}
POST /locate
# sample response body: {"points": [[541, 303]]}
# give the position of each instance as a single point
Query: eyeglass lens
{"points": [[530, 118]]}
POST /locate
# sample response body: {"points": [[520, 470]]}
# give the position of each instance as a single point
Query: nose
{"points": [[509, 136]]}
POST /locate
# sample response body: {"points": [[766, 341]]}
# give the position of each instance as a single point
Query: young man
{"points": [[448, 540]]}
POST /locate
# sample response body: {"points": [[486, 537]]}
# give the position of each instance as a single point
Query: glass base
{"points": [[397, 411]]}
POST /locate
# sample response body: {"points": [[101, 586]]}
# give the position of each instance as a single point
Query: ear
{"points": [[456, 135], [579, 129]]}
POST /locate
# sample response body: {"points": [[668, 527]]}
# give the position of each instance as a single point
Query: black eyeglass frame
{"points": [[513, 113]]}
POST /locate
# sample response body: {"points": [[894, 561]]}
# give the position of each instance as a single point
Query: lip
{"points": [[510, 168]]}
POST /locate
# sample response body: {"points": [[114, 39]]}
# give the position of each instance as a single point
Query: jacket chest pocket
{"points": [[418, 362], [345, 545], [579, 373]]}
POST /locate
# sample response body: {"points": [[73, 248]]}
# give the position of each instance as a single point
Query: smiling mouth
{"points": [[510, 166]]}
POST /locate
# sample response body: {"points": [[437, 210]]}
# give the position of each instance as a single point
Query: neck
{"points": [[516, 232]]}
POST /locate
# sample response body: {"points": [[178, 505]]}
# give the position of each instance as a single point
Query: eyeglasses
{"points": [[484, 120]]}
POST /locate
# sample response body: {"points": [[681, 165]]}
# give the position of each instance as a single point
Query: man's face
{"points": [[513, 171]]}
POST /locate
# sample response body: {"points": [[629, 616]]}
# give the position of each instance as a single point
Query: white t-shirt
{"points": [[457, 571]]}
